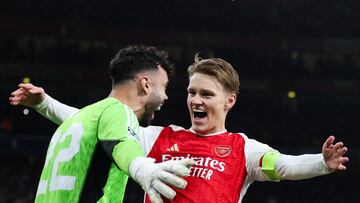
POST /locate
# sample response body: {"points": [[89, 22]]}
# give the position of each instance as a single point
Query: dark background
{"points": [[310, 47]]}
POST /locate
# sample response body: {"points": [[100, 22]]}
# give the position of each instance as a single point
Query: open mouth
{"points": [[158, 107], [199, 113]]}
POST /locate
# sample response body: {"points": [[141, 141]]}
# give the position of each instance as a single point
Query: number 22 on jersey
{"points": [[59, 154]]}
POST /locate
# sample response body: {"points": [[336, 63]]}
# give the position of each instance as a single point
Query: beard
{"points": [[150, 107]]}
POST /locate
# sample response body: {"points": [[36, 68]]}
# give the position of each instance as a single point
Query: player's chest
{"points": [[215, 156], [223, 146]]}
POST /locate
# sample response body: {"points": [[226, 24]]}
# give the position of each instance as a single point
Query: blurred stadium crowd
{"points": [[299, 65]]}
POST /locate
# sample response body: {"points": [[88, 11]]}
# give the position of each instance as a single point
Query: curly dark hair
{"points": [[136, 58]]}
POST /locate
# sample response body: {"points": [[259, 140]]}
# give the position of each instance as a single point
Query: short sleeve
{"points": [[148, 137]]}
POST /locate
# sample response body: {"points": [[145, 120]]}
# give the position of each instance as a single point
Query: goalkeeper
{"points": [[92, 153]]}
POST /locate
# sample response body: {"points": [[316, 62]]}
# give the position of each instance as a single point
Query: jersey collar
{"points": [[211, 134]]}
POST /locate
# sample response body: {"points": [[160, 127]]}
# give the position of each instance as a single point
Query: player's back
{"points": [[77, 167]]}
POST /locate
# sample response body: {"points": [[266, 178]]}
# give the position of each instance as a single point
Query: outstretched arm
{"points": [[35, 97], [311, 165], [264, 163]]}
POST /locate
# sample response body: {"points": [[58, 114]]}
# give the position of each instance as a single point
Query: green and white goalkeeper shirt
{"points": [[89, 155]]}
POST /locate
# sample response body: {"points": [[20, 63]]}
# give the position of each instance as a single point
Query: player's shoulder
{"points": [[110, 108], [109, 101], [239, 134], [175, 127], [112, 105], [171, 131], [252, 144], [104, 104], [93, 110]]}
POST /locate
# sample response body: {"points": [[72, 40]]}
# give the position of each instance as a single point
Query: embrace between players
{"points": [[97, 147]]}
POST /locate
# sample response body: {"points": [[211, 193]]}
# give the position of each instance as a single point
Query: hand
{"points": [[27, 94], [154, 177], [333, 154]]}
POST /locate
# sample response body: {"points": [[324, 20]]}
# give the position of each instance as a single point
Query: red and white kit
{"points": [[226, 163], [220, 173]]}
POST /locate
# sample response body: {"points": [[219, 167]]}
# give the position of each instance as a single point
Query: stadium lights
{"points": [[291, 94]]}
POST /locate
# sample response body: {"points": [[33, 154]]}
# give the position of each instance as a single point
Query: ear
{"points": [[230, 101], [144, 85]]}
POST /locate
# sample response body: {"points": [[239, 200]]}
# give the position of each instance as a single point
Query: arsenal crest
{"points": [[222, 150]]}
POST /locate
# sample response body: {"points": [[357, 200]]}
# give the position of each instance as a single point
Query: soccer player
{"points": [[93, 151], [226, 160]]}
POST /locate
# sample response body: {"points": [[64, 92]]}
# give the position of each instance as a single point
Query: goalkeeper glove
{"points": [[154, 178]]}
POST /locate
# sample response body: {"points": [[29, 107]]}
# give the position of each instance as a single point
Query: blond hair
{"points": [[220, 69]]}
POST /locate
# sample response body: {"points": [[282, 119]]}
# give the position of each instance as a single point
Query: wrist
{"points": [[325, 166], [43, 103], [136, 164]]}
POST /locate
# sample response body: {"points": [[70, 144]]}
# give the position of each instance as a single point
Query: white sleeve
{"points": [[148, 137], [301, 166], [254, 151], [288, 167], [54, 110]]}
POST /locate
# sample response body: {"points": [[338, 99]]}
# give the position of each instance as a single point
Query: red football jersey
{"points": [[219, 172]]}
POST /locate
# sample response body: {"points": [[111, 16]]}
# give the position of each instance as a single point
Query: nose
{"points": [[165, 97], [196, 99]]}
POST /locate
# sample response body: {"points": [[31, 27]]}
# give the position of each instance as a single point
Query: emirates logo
{"points": [[222, 151]]}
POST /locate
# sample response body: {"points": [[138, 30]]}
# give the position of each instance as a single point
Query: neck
{"points": [[128, 95]]}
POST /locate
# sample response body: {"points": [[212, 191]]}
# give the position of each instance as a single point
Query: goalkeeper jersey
{"points": [[89, 154]]}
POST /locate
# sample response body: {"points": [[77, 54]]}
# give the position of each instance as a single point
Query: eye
{"points": [[191, 93], [207, 94]]}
